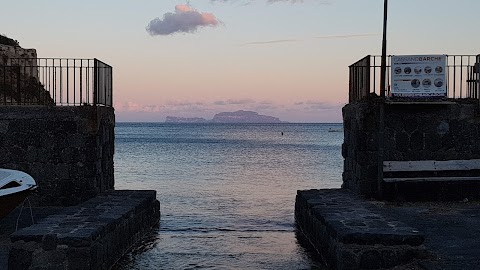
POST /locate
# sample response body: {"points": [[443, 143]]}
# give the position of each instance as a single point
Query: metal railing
{"points": [[55, 81], [463, 77]]}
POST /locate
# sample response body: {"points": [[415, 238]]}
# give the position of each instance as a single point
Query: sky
{"points": [[283, 58]]}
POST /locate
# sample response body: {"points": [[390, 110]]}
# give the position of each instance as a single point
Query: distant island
{"points": [[229, 117]]}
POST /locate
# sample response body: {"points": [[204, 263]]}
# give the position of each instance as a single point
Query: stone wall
{"points": [[19, 77], [16, 55], [410, 132], [432, 132], [360, 147], [67, 150]]}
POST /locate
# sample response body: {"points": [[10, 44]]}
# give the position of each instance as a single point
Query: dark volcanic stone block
{"points": [[91, 235], [352, 234]]}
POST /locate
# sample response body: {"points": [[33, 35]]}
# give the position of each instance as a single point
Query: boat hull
{"points": [[15, 186], [9, 202]]}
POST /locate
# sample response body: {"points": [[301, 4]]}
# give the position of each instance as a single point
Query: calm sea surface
{"points": [[227, 192]]}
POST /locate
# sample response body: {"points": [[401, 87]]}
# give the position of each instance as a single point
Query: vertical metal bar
{"points": [[361, 80], [454, 75], [105, 84], [95, 81], [349, 84], [111, 86], [473, 79], [68, 83], [81, 85], [88, 82], [353, 84], [19, 97], [54, 80], [374, 72], [74, 81], [61, 83], [38, 83], [44, 79], [468, 86], [4, 84], [357, 82], [477, 67], [49, 79], [10, 80], [26, 91], [355, 89], [104, 80], [461, 76], [388, 68], [358, 94], [25, 88], [477, 76]]}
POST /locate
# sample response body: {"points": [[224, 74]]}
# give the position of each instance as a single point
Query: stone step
{"points": [[91, 235], [351, 234]]}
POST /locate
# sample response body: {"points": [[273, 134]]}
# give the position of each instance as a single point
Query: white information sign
{"points": [[419, 76]]}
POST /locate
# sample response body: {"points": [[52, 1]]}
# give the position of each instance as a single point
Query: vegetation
{"points": [[8, 41]]}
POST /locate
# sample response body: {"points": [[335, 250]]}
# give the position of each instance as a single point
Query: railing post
{"points": [[3, 85], [95, 81], [111, 87], [350, 90], [477, 77], [19, 89]]}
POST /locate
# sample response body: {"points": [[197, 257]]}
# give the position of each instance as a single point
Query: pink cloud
{"points": [[185, 19]]}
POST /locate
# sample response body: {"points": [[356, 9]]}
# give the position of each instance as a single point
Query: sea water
{"points": [[227, 191]]}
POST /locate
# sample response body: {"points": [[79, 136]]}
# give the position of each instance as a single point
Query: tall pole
{"points": [[383, 68]]}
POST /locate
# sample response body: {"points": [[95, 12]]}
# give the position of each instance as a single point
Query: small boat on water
{"points": [[15, 186], [335, 130]]}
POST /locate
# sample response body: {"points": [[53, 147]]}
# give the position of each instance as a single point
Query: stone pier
{"points": [[411, 188], [351, 233], [91, 235]]}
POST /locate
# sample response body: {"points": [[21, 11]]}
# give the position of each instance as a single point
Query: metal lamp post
{"points": [[383, 67]]}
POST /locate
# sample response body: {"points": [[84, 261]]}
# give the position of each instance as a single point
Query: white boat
{"points": [[15, 186]]}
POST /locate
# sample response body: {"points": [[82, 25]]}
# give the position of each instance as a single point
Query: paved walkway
{"points": [[451, 230], [90, 235], [8, 224]]}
